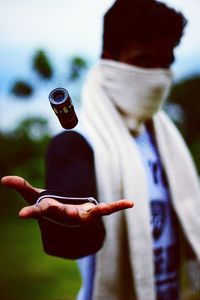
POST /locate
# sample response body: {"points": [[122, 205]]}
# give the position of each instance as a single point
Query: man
{"points": [[127, 149]]}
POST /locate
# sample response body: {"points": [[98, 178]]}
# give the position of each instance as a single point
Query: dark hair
{"points": [[141, 21]]}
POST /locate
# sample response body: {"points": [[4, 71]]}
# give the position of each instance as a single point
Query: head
{"points": [[143, 33]]}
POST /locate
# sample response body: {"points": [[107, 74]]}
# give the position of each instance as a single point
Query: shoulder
{"points": [[71, 137], [70, 142], [70, 165]]}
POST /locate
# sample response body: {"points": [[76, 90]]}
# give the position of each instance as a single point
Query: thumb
{"points": [[28, 192]]}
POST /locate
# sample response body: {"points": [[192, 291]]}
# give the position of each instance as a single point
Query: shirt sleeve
{"points": [[70, 167]]}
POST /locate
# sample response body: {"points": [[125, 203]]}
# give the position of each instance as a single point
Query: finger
{"points": [[108, 208], [41, 209], [28, 192], [54, 210], [30, 212]]}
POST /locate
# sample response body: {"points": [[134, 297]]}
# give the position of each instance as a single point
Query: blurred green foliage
{"points": [[42, 65], [77, 66], [22, 88], [186, 94], [184, 104], [23, 149]]}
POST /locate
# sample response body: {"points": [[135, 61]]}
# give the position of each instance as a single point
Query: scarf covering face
{"points": [[137, 92], [125, 268]]}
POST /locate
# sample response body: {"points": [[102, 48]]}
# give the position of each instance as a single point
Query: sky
{"points": [[65, 28]]}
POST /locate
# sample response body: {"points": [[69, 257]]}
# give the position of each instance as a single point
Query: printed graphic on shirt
{"points": [[158, 211], [168, 292], [166, 260], [163, 224], [165, 243]]}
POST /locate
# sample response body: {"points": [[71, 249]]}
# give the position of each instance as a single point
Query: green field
{"points": [[26, 271]]}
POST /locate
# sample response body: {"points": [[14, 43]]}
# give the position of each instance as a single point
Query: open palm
{"points": [[64, 213]]}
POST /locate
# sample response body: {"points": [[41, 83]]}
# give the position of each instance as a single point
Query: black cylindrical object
{"points": [[63, 108]]}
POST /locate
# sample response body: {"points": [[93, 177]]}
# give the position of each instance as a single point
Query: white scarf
{"points": [[137, 92], [120, 174]]}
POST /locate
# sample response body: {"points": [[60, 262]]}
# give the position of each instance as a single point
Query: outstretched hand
{"points": [[63, 213]]}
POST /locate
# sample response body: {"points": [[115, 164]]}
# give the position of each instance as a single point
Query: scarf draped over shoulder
{"points": [[120, 174]]}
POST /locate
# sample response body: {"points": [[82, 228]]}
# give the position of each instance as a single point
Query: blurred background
{"points": [[47, 44]]}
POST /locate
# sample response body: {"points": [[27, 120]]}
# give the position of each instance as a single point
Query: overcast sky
{"points": [[70, 27]]}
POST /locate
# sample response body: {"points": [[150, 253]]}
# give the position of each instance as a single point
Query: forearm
{"points": [[71, 242]]}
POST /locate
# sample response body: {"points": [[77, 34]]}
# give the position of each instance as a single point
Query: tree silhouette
{"points": [[43, 67], [184, 107], [186, 96]]}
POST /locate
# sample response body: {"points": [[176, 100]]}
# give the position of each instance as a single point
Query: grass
{"points": [[26, 271]]}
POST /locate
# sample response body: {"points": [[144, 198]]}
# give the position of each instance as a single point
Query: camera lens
{"points": [[63, 108], [58, 96]]}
